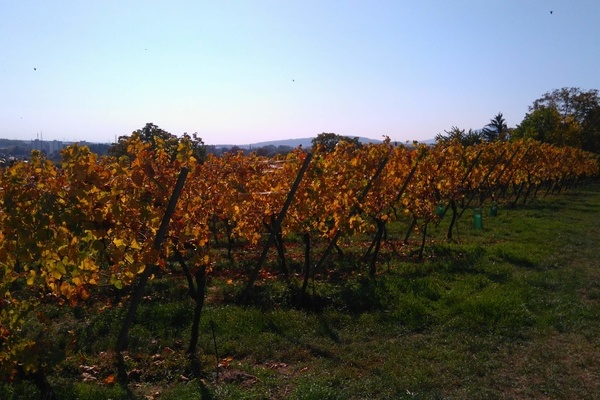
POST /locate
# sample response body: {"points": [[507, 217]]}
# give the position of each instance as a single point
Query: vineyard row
{"points": [[94, 221]]}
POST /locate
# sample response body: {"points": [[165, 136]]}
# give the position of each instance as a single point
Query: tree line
{"points": [[562, 117]]}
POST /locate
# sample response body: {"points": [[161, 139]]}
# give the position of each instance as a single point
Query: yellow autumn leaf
{"points": [[31, 277], [116, 282], [55, 268], [135, 245], [88, 265]]}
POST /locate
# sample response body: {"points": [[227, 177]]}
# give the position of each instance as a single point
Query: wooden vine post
{"points": [[355, 211], [376, 243], [138, 291], [276, 227]]}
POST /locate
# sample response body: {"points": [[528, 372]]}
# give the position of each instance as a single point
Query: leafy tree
{"points": [[197, 144], [496, 129], [235, 149], [272, 151], [99, 148], [567, 116], [328, 141], [539, 124], [569, 102], [546, 125], [466, 139], [152, 134], [591, 129]]}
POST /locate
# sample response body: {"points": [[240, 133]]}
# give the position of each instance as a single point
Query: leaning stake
{"points": [[138, 291], [276, 227]]}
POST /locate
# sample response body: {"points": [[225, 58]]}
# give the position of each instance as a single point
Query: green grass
{"points": [[512, 311]]}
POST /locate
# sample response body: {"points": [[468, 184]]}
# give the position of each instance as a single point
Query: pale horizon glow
{"points": [[239, 72]]}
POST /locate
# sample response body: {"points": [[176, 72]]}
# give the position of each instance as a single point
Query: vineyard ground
{"points": [[508, 312]]}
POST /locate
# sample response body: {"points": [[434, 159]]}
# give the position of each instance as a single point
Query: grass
{"points": [[512, 311]]}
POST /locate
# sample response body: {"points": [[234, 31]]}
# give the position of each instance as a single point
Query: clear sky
{"points": [[239, 72]]}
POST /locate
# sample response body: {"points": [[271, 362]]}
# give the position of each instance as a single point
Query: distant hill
{"points": [[293, 143]]}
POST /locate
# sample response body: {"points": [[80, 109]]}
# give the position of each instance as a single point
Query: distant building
{"points": [[46, 146]]}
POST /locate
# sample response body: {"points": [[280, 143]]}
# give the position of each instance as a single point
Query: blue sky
{"points": [[239, 72]]}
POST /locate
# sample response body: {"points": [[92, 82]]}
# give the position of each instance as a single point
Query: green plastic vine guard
{"points": [[477, 218], [440, 211], [494, 210]]}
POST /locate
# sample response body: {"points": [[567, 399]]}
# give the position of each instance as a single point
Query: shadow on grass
{"points": [[519, 260], [296, 341], [457, 259]]}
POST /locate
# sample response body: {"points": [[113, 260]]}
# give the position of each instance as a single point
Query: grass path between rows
{"points": [[512, 312]]}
